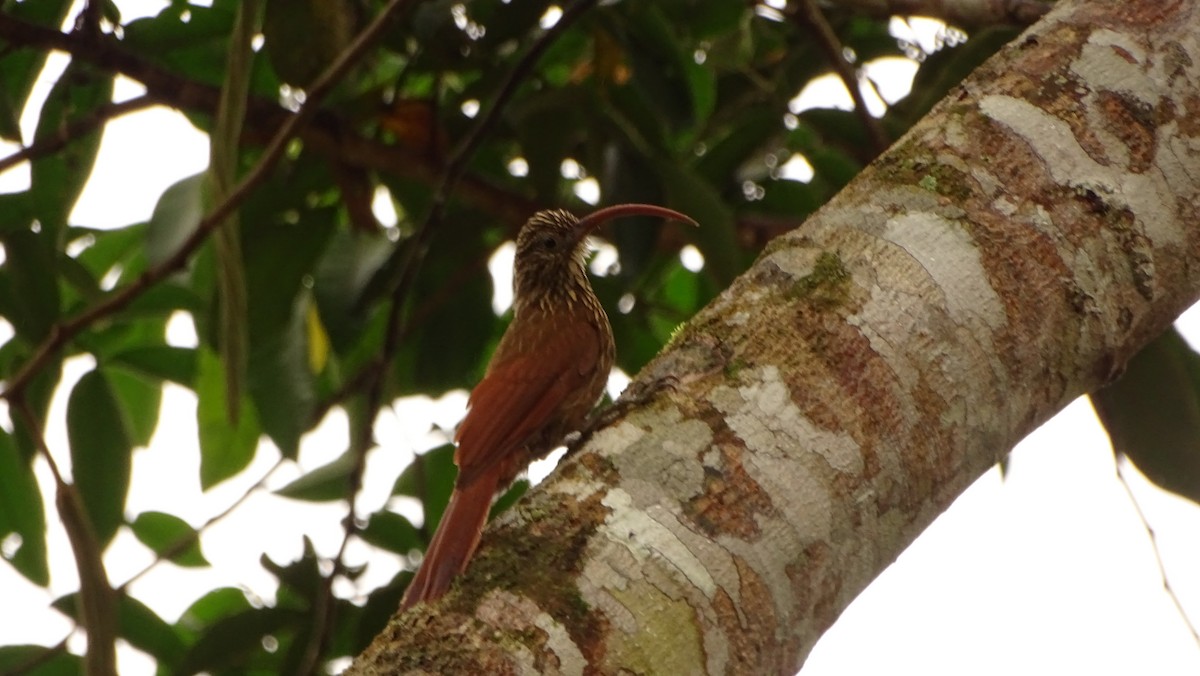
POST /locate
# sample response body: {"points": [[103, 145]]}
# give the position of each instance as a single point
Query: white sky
{"points": [[1046, 571]]}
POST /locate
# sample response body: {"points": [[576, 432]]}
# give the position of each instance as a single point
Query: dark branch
{"points": [[96, 607], [52, 143], [808, 16], [964, 13], [326, 134], [64, 332]]}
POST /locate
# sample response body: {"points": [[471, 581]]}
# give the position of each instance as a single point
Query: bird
{"points": [[546, 375]]}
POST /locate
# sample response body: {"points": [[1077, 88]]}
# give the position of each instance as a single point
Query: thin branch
{"points": [[177, 547], [965, 13], [1162, 570], [89, 19], [167, 553], [96, 601], [808, 16], [52, 143], [61, 333], [326, 134]]}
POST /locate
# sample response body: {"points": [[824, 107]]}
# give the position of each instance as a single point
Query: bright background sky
{"points": [[1047, 570]]}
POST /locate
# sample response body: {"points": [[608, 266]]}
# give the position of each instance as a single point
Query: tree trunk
{"points": [[1007, 255]]}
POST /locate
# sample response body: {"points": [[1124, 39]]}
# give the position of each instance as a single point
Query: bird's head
{"points": [[552, 244]]}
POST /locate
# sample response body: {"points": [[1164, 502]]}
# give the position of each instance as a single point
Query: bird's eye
{"points": [[549, 243]]}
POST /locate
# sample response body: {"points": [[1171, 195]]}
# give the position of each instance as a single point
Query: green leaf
{"points": [[430, 479], [225, 449], [681, 290], [163, 534], [710, 19], [323, 484], [148, 632], [22, 512], [393, 532], [107, 248], [301, 580], [101, 450], [1152, 414], [349, 262], [508, 21], [833, 167], [285, 218], [733, 143], [20, 68], [16, 212], [285, 221], [162, 362], [140, 400], [509, 497], [450, 336], [29, 291], [281, 382], [164, 298], [791, 200], [659, 61], [14, 657], [696, 197], [174, 219], [303, 38], [869, 38], [229, 644], [206, 610], [57, 179], [79, 286], [189, 38], [548, 128], [110, 338], [703, 87]]}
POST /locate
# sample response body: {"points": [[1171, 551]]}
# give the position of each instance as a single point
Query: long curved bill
{"points": [[593, 220]]}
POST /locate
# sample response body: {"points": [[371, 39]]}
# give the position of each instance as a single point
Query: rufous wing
{"points": [[523, 392]]}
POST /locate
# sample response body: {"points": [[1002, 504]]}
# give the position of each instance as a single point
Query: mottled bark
{"points": [[1006, 256]]}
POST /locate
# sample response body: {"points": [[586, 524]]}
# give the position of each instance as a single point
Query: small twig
{"points": [[96, 601], [83, 126], [327, 136], [466, 149], [990, 13], [808, 16], [88, 21], [177, 547], [65, 331], [1162, 570], [358, 381]]}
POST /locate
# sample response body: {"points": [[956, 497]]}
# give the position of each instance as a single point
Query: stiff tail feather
{"points": [[454, 542]]}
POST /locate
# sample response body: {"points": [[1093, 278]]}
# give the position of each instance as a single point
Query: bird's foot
{"points": [[633, 397]]}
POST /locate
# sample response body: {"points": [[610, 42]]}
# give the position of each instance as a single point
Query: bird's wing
{"points": [[521, 394]]}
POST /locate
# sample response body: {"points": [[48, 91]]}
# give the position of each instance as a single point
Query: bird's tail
{"points": [[454, 542]]}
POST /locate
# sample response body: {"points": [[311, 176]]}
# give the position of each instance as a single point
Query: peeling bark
{"points": [[1007, 255]]}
